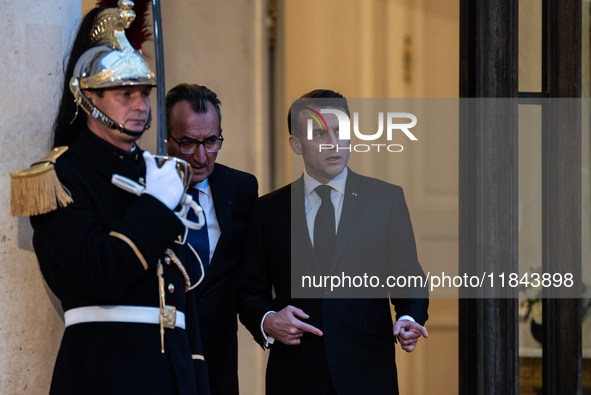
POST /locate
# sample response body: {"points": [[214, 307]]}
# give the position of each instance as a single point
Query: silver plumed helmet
{"points": [[111, 62]]}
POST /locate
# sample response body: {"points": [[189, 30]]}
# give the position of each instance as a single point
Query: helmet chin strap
{"points": [[100, 116]]}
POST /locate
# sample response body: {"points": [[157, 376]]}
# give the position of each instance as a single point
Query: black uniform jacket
{"points": [[357, 350], [103, 249], [234, 196]]}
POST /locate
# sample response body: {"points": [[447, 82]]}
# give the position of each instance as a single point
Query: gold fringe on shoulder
{"points": [[37, 190]]}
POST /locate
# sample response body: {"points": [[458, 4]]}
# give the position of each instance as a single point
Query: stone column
{"points": [[35, 36]]}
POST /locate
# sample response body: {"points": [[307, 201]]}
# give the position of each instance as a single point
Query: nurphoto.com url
{"points": [[433, 282]]}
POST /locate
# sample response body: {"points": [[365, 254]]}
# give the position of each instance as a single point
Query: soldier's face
{"points": [[128, 106]]}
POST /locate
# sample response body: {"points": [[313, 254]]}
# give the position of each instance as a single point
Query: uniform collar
{"points": [[88, 137], [106, 158]]}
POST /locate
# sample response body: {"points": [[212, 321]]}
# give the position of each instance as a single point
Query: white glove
{"points": [[163, 183]]}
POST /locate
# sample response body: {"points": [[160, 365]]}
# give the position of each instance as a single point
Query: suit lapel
{"points": [[300, 236], [352, 207], [223, 210]]}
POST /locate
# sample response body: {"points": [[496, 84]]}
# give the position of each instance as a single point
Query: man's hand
{"points": [[285, 327], [408, 334]]}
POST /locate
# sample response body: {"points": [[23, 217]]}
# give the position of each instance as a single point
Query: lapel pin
{"points": [[354, 194]]}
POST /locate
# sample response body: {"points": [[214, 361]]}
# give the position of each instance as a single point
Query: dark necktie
{"points": [[198, 238], [324, 229]]}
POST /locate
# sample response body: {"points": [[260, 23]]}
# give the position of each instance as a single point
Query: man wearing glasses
{"points": [[228, 197]]}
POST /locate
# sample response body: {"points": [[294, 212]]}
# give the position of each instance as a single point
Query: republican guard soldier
{"points": [[109, 243]]}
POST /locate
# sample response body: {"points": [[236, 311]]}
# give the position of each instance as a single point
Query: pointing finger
{"points": [[308, 328]]}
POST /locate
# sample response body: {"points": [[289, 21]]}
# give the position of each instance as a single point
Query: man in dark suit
{"points": [[228, 199], [328, 344]]}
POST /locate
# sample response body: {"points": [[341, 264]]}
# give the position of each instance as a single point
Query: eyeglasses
{"points": [[189, 146]]}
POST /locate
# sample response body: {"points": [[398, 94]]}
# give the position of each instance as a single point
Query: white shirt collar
{"points": [[203, 186], [338, 183]]}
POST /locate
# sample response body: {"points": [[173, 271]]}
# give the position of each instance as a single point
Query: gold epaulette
{"points": [[37, 190]]}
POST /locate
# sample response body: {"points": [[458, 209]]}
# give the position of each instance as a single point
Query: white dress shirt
{"points": [[206, 203]]}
